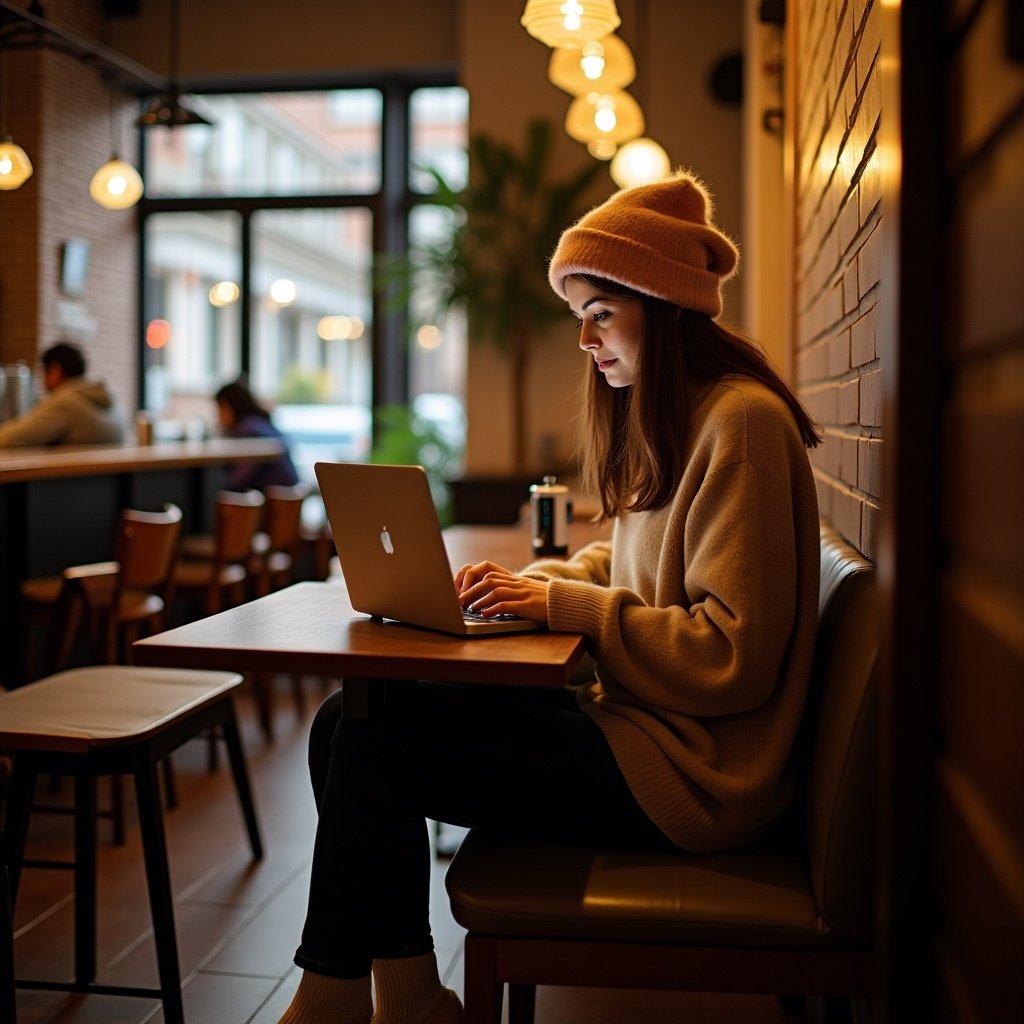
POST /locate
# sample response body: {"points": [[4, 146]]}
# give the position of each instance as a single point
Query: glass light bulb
{"points": [[592, 66], [116, 185], [640, 162], [572, 10], [604, 118], [15, 166]]}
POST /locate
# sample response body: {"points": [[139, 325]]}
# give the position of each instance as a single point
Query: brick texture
{"points": [[61, 112], [837, 263]]}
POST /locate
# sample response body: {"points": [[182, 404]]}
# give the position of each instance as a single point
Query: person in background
{"points": [[242, 416], [700, 615], [75, 410]]}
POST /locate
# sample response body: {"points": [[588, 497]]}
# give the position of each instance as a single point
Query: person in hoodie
{"points": [[75, 410]]}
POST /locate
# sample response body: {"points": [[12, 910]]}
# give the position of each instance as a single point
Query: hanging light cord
{"points": [[3, 93]]}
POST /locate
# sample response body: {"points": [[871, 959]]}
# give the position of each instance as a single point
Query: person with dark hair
{"points": [[75, 410], [700, 615], [242, 416]]}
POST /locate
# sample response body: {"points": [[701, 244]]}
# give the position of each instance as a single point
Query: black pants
{"points": [[522, 762]]}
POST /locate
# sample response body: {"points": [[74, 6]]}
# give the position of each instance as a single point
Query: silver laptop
{"points": [[392, 555]]}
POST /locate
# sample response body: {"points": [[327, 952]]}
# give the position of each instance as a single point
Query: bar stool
{"points": [[220, 580], [106, 720], [119, 598], [275, 548]]}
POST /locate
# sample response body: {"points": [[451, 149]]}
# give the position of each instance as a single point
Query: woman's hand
{"points": [[490, 589]]}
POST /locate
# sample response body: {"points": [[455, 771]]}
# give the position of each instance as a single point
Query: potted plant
{"points": [[505, 225]]}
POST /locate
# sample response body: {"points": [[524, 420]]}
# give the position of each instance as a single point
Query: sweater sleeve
{"points": [[591, 564], [45, 423], [717, 648]]}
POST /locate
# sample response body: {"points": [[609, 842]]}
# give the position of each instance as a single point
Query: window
{"points": [[259, 235]]}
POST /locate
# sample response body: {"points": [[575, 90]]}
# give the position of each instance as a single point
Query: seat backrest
{"points": [[840, 753], [283, 516], [146, 547], [237, 519]]}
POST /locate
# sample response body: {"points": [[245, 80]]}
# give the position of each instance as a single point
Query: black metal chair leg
{"points": [[85, 879], [19, 810], [158, 881]]}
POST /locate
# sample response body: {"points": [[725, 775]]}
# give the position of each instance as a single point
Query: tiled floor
{"points": [[238, 921]]}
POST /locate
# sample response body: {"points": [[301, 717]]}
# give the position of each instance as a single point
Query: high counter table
{"points": [[59, 507]]}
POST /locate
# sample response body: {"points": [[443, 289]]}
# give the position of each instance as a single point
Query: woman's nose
{"points": [[587, 339]]}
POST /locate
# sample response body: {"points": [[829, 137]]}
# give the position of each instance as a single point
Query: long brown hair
{"points": [[632, 441]]}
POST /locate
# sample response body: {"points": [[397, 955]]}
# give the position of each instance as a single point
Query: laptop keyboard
{"points": [[468, 615]]}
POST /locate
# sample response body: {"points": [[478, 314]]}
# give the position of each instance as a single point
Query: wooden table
{"points": [[311, 628]]}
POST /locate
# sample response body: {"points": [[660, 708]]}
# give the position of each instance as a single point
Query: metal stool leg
{"points": [[85, 878], [8, 1010], [158, 881]]}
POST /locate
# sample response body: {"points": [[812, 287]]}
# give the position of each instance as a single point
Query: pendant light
{"points": [[15, 166], [604, 64], [166, 110], [116, 185], [641, 161], [613, 117], [570, 23]]}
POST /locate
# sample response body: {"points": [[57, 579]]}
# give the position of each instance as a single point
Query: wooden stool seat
{"points": [[106, 720]]}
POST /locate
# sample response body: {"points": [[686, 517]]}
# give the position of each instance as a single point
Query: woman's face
{"points": [[611, 329]]}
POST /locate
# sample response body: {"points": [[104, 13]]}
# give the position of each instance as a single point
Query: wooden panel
{"points": [[983, 503], [982, 938], [982, 694]]}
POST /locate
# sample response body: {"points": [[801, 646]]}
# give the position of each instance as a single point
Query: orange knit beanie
{"points": [[657, 239]]}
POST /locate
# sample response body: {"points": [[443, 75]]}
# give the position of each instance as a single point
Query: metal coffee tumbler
{"points": [[549, 517]]}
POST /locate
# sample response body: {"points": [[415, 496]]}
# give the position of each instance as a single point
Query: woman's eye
{"points": [[600, 315]]}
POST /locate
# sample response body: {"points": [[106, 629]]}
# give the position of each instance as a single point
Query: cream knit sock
{"points": [[409, 991], [320, 999]]}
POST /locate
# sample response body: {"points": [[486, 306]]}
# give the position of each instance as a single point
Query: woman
{"points": [[700, 615], [242, 416]]}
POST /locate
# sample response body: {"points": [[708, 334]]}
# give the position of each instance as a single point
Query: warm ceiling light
{"points": [[573, 70], [640, 162], [615, 117], [116, 185], [570, 23], [15, 166], [167, 110]]}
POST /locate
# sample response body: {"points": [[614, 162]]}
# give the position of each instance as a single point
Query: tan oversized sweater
{"points": [[701, 618]]}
